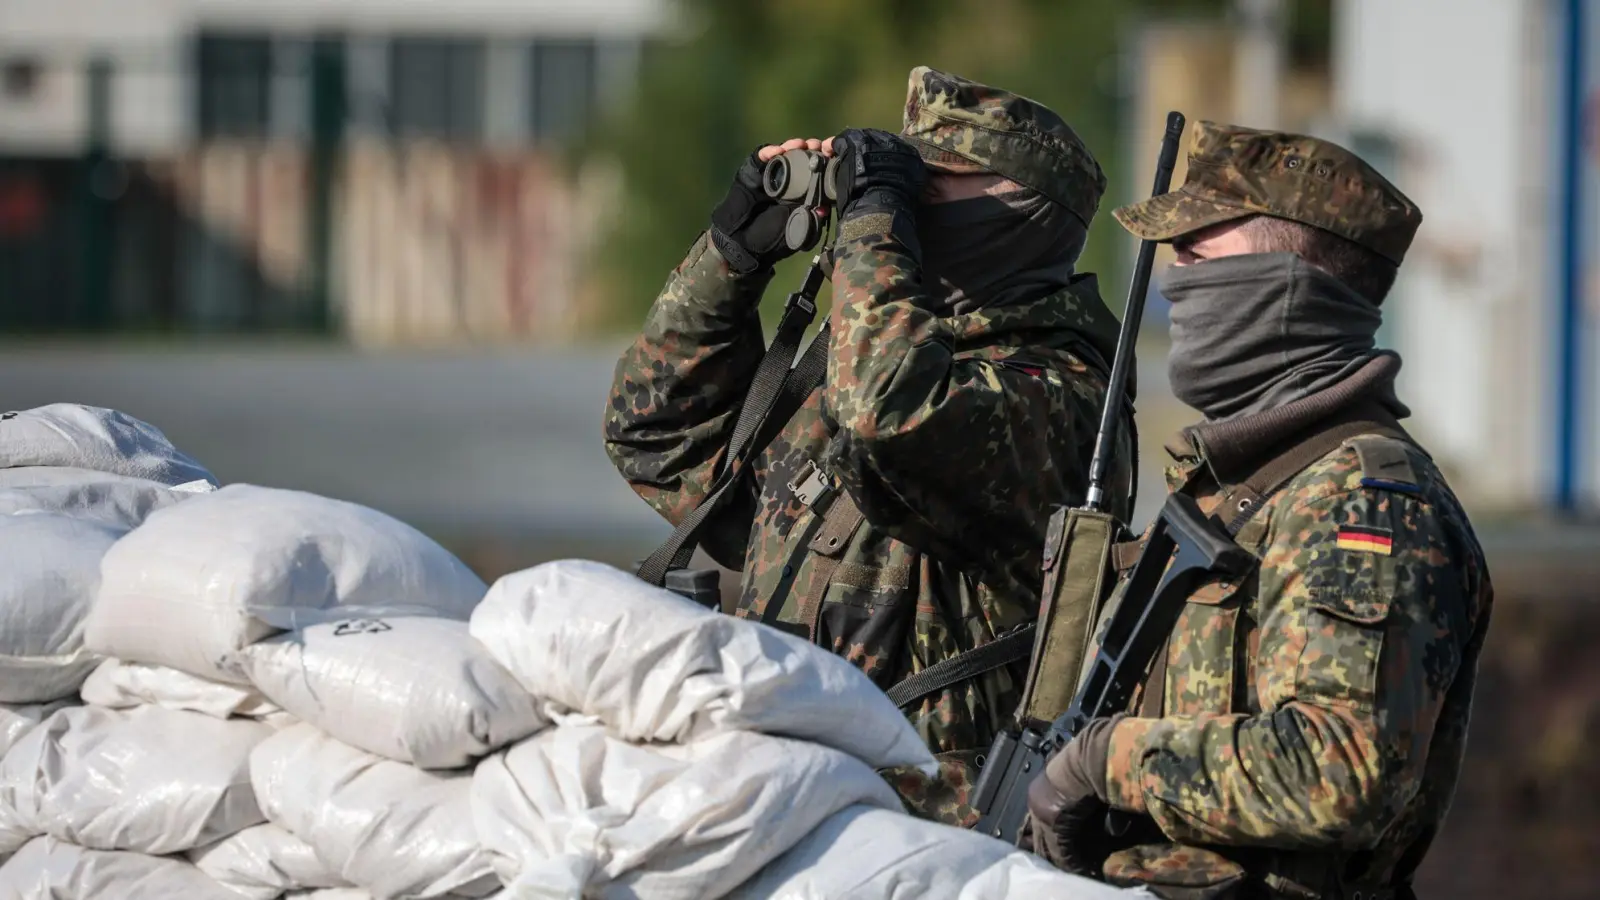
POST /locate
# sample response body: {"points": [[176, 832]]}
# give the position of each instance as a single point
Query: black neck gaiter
{"points": [[996, 250], [1254, 332]]}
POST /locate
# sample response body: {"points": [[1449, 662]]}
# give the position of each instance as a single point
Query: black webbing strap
{"points": [[776, 393], [1002, 651], [1018, 645]]}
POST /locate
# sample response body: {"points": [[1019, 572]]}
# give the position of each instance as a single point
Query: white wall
{"points": [[147, 41], [142, 38], [1461, 85]]}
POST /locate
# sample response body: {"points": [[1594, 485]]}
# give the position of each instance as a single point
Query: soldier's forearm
{"points": [[1301, 776], [677, 389], [879, 321]]}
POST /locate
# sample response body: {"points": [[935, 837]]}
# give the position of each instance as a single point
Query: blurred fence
{"points": [[429, 242]]}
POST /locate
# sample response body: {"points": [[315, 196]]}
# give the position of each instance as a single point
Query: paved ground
{"points": [[461, 441]]}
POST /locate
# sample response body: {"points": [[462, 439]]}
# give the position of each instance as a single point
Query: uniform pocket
{"points": [[866, 616], [1344, 647], [1176, 872], [1202, 653]]}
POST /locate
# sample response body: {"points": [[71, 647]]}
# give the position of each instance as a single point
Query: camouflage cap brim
{"points": [[945, 160], [1175, 214]]}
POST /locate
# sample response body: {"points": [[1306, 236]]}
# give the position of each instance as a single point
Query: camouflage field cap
{"points": [[1236, 172], [962, 126]]}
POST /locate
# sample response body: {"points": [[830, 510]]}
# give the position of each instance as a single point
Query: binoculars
{"points": [[807, 178]]}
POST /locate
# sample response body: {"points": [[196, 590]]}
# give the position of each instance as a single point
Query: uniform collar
{"points": [[1232, 449]]}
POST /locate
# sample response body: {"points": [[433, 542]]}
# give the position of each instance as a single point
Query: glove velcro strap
{"points": [[896, 223], [739, 259]]}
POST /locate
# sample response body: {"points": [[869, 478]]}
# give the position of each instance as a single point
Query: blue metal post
{"points": [[1569, 274]]}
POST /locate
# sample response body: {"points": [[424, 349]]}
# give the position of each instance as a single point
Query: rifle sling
{"points": [[1002, 651], [776, 393]]}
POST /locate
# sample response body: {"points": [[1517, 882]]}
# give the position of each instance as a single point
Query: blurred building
{"points": [[215, 165], [1482, 105], [1481, 110]]}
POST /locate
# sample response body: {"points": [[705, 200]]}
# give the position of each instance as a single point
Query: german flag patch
{"points": [[1369, 540]]}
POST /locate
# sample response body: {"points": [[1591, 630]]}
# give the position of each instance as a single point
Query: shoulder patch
{"points": [[1386, 464], [1364, 538]]}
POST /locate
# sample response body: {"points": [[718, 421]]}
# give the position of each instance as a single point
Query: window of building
{"points": [[561, 97], [20, 78], [234, 82], [436, 87]]}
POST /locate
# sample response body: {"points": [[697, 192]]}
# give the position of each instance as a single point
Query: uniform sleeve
{"points": [[1365, 614], [677, 390], [960, 457]]}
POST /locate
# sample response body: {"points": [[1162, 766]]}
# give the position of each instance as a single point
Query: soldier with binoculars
{"points": [[898, 516]]}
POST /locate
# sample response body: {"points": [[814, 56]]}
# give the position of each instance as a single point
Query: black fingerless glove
{"points": [[747, 226], [878, 172]]}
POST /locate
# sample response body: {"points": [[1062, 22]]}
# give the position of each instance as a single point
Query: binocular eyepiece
{"points": [[804, 177], [790, 176]]}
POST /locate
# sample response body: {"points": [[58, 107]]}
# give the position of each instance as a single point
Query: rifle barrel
{"points": [[1132, 316]]}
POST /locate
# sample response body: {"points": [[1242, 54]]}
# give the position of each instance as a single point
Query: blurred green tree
{"points": [[741, 73]]}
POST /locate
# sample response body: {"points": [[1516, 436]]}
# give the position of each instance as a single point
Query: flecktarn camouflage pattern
{"points": [[1319, 705], [953, 436], [1236, 172], [962, 126]]}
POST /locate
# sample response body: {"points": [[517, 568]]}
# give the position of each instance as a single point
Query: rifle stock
{"points": [[1185, 548]]}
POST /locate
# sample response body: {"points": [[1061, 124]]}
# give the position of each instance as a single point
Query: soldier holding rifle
{"points": [[1300, 728]]}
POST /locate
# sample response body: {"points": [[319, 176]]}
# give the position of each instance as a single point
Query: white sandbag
{"points": [[47, 869], [87, 494], [17, 719], [48, 583], [415, 689], [864, 853], [1024, 876], [218, 572], [574, 810], [264, 861], [359, 894], [394, 829], [657, 667], [15, 831], [151, 780], [123, 685], [91, 437]]}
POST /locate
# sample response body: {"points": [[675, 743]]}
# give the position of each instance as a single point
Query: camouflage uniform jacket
{"points": [[953, 435], [1317, 706]]}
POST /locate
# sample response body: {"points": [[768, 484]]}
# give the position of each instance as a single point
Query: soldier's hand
{"points": [[878, 172], [747, 226], [1068, 802]]}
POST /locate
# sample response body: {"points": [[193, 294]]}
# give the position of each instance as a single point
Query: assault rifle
{"points": [[1184, 548]]}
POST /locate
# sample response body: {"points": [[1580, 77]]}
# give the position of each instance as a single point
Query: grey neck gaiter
{"points": [[1253, 332]]}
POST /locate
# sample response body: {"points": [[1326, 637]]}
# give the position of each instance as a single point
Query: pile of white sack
{"points": [[221, 692]]}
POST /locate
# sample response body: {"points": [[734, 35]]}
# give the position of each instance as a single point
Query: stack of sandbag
{"points": [[690, 749], [285, 695], [92, 463], [73, 480], [376, 780], [764, 735], [701, 755], [148, 788]]}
